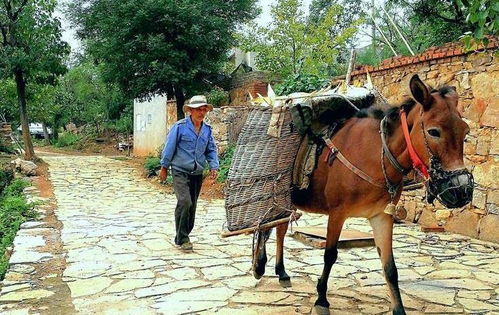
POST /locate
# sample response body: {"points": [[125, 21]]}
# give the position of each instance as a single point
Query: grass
{"points": [[14, 211]]}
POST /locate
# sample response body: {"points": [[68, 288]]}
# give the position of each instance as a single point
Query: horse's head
{"points": [[438, 137]]}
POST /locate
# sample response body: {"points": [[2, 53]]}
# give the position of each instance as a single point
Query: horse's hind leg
{"points": [[260, 254], [382, 225], [284, 279], [334, 227]]}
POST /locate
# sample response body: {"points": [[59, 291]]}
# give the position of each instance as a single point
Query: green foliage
{"points": [[66, 139], [84, 98], [6, 176], [150, 47], [14, 210], [6, 147], [301, 83], [293, 44], [218, 97], [124, 124], [15, 188], [225, 163], [435, 22], [31, 50], [152, 165], [483, 16]]}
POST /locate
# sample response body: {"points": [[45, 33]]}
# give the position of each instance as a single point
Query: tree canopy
{"points": [[159, 46], [300, 47]]}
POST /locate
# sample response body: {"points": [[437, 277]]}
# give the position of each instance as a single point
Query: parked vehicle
{"points": [[36, 129]]}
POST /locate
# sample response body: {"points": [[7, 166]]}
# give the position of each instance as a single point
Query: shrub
{"points": [[66, 139], [124, 124], [6, 147], [152, 165], [225, 162], [301, 83], [218, 97], [6, 176], [14, 211]]}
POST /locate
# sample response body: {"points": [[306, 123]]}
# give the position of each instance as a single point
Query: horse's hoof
{"points": [[257, 275], [321, 310], [286, 283]]}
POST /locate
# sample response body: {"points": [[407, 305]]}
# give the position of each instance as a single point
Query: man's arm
{"points": [[212, 153], [168, 152]]}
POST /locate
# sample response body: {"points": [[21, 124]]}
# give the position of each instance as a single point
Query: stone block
{"points": [[479, 198], [489, 225], [487, 173], [464, 222], [427, 218], [442, 215], [492, 208], [494, 142], [490, 117], [493, 196]]}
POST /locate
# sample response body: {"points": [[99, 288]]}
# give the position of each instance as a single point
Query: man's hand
{"points": [[213, 174], [163, 173]]}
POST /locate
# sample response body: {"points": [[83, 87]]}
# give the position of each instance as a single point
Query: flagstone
{"points": [[473, 305], [88, 286], [182, 273], [221, 272], [169, 288], [184, 307], [20, 296], [434, 294], [128, 285]]}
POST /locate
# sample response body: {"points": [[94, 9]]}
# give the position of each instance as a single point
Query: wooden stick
{"points": [[398, 31], [263, 226]]}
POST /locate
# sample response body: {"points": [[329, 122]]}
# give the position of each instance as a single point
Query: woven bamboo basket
{"points": [[259, 180]]}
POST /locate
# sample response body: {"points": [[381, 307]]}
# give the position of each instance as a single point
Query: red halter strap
{"points": [[416, 160]]}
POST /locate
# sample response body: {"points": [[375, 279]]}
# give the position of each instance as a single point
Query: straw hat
{"points": [[197, 101]]}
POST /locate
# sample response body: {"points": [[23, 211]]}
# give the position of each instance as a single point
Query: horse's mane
{"points": [[391, 112]]}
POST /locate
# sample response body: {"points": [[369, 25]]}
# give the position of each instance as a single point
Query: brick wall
{"points": [[476, 76], [243, 84]]}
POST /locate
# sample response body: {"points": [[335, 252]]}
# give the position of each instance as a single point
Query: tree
{"points": [[83, 97], [31, 50], [292, 45], [159, 46], [434, 22]]}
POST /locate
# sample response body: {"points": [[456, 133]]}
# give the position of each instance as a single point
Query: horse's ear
{"points": [[420, 92]]}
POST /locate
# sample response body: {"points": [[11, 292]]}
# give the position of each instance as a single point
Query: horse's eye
{"points": [[434, 132]]}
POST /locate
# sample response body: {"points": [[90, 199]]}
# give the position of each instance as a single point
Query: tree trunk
{"points": [[29, 153], [179, 96], [45, 132]]}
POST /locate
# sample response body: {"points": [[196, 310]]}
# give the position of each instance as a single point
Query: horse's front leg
{"points": [[284, 279], [334, 227], [260, 254], [382, 225]]}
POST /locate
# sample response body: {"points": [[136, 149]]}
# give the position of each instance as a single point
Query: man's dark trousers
{"points": [[187, 188]]}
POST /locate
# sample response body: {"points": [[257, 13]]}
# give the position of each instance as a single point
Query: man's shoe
{"points": [[186, 246]]}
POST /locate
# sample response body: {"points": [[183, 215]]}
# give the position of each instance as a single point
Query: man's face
{"points": [[199, 113]]}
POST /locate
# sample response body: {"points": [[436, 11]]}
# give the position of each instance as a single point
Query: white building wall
{"points": [[149, 125]]}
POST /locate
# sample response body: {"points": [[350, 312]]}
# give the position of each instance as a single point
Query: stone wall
{"points": [[476, 76]]}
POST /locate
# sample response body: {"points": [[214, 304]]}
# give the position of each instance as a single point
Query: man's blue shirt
{"points": [[187, 151]]}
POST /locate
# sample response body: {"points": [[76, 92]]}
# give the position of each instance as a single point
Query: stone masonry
{"points": [[475, 74]]}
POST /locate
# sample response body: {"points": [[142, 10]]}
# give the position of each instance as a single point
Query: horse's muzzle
{"points": [[453, 189]]}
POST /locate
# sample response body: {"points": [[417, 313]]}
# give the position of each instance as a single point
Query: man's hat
{"points": [[197, 101]]}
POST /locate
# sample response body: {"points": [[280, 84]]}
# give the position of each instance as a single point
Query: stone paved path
{"points": [[120, 258]]}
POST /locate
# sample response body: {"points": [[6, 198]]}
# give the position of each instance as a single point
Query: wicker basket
{"points": [[259, 180]]}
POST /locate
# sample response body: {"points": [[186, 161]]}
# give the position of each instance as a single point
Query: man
{"points": [[189, 146]]}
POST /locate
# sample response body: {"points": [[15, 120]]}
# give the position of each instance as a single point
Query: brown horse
{"points": [[370, 178]]}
